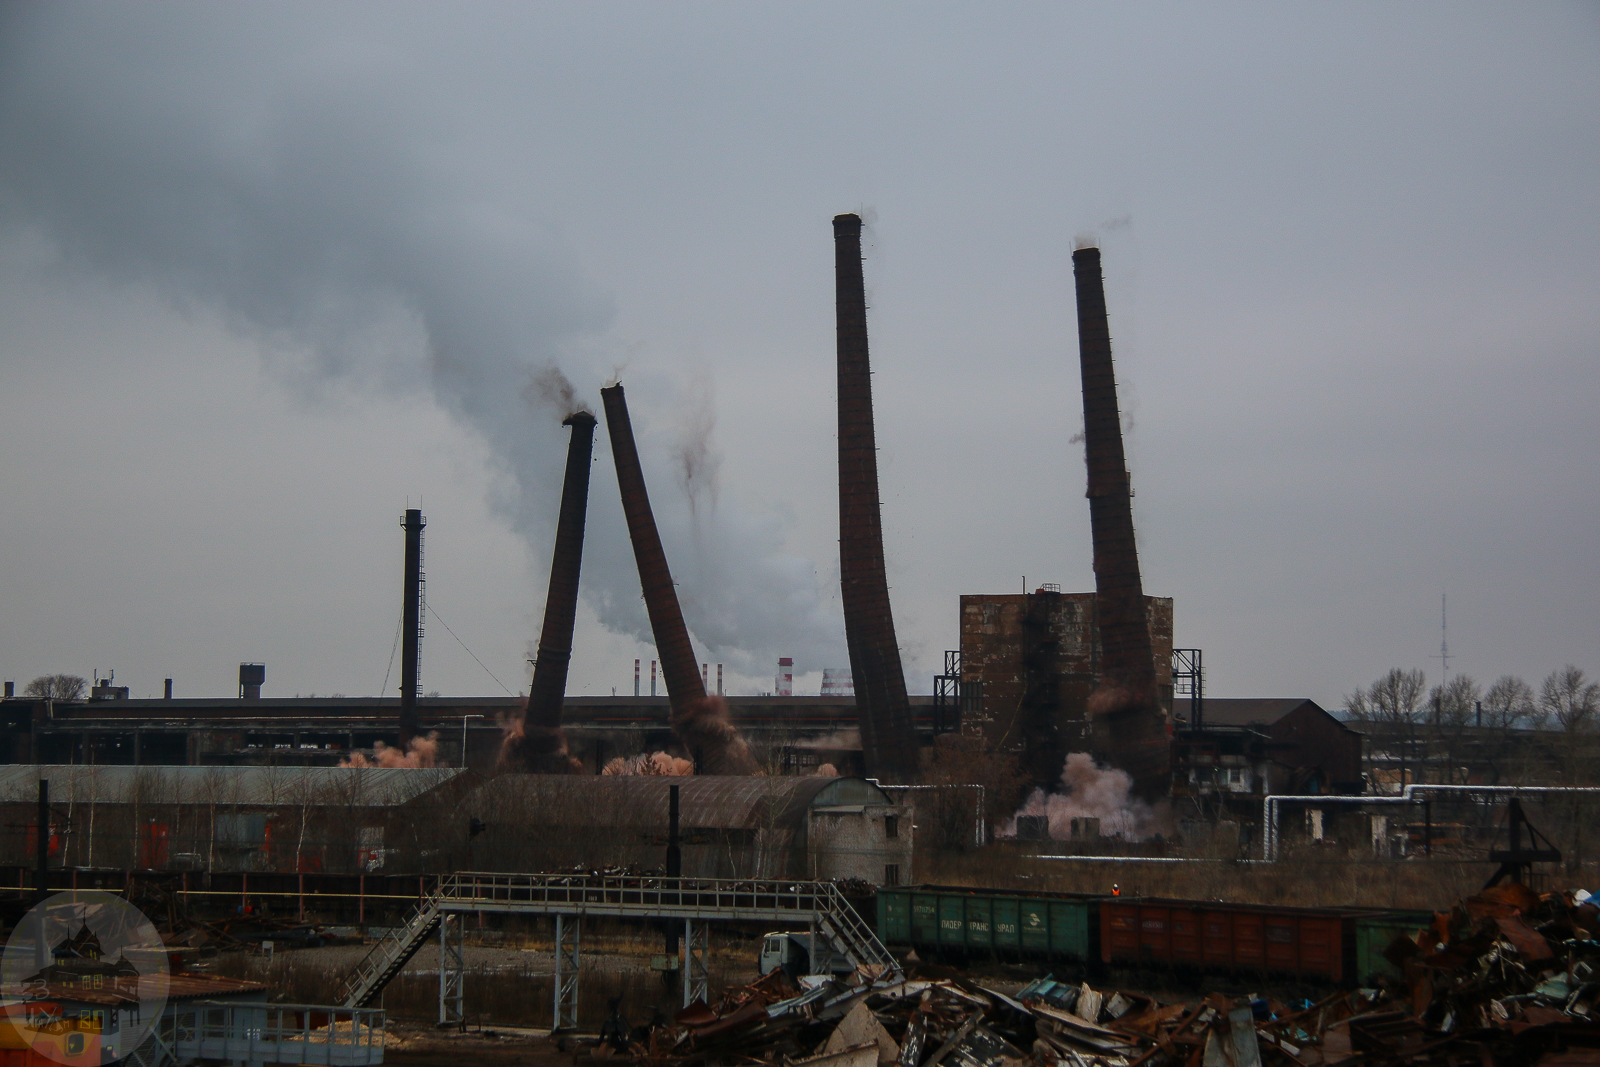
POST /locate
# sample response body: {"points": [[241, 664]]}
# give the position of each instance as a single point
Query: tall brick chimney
{"points": [[1130, 729], [699, 721], [544, 748], [888, 735]]}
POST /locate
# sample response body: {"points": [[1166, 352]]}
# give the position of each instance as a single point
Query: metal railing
{"points": [[274, 1033], [390, 954], [628, 896], [1411, 794], [649, 896]]}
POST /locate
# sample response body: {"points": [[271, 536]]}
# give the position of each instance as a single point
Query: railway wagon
{"points": [[1316, 943], [962, 921], [1376, 931]]}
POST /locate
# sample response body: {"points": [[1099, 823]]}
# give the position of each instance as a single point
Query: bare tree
{"points": [[1572, 702], [1455, 702], [1394, 698], [1508, 705], [1452, 707], [56, 687]]}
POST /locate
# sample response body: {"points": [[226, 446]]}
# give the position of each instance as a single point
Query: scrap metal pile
{"points": [[1504, 979]]}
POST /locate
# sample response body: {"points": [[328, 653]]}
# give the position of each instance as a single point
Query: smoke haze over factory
{"points": [[266, 273]]}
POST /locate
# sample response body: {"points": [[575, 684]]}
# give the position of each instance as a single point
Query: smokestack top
{"points": [[579, 418], [846, 223], [1087, 248]]}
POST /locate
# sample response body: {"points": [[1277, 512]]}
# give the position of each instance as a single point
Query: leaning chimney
{"points": [[888, 737], [1129, 727], [544, 747], [412, 606], [699, 722]]}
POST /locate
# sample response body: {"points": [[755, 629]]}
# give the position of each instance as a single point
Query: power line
{"points": [[397, 624], [474, 655]]}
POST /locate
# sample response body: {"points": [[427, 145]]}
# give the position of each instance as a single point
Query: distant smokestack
{"points": [[1129, 725], [543, 748], [251, 678], [652, 677], [412, 606], [784, 683], [888, 737], [699, 721], [167, 695], [635, 677]]}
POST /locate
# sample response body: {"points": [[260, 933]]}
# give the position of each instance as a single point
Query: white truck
{"points": [[790, 951]]}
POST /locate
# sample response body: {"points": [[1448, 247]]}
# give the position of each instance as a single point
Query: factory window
{"points": [[891, 826], [1235, 776], [891, 874]]}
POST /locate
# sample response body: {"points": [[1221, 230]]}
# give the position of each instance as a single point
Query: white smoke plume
{"points": [[1088, 789], [326, 198]]}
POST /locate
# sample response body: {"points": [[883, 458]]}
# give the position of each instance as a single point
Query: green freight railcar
{"points": [[958, 921], [1376, 932]]}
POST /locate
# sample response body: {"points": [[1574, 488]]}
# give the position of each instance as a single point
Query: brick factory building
{"points": [[1029, 662]]}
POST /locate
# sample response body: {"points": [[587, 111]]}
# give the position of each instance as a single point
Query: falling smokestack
{"points": [[888, 738], [411, 625], [542, 748], [699, 721], [1129, 726]]}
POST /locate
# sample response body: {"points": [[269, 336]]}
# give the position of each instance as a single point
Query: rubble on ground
{"points": [[1506, 978]]}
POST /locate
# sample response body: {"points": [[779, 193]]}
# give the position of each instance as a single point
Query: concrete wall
{"points": [[855, 843]]}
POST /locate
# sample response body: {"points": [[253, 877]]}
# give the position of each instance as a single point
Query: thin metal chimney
{"points": [[412, 607], [549, 685], [1129, 726], [698, 721], [888, 736], [168, 688]]}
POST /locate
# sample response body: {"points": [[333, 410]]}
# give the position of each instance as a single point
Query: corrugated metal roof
{"points": [[361, 787], [704, 801]]}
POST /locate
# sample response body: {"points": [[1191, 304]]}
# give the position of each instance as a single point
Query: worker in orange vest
{"points": [[1116, 890]]}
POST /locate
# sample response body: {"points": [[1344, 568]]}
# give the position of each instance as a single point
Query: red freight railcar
{"points": [[1307, 942]]}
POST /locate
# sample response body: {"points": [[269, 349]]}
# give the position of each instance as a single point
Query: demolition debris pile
{"points": [[1503, 979]]}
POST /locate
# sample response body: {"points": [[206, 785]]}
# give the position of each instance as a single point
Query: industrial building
{"points": [[253, 819], [731, 827], [1246, 748], [790, 734], [1029, 663]]}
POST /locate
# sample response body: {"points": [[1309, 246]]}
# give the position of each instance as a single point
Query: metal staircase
{"points": [[818, 905], [841, 925], [392, 953]]}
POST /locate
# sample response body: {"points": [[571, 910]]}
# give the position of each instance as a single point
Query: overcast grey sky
{"points": [[269, 272]]}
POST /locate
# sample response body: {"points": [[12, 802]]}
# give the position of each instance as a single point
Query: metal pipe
{"points": [[1409, 795], [979, 827], [41, 876], [888, 732]]}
